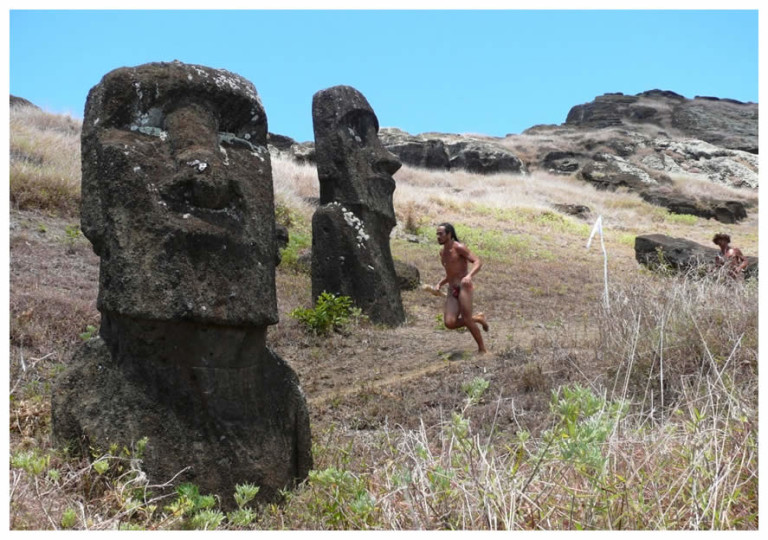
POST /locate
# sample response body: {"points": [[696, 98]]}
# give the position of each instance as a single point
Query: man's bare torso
{"points": [[454, 263]]}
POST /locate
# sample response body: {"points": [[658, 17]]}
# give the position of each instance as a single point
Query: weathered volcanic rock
{"points": [[303, 153], [560, 162], [350, 230], [605, 111], [177, 200], [679, 254], [697, 158], [720, 210], [578, 210], [484, 158], [415, 150], [408, 276], [610, 172], [280, 142], [723, 122]]}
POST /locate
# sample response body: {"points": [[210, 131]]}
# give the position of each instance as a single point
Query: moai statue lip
{"points": [[177, 195], [354, 167]]}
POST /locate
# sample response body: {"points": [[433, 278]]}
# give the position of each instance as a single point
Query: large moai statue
{"points": [[177, 200], [350, 230]]}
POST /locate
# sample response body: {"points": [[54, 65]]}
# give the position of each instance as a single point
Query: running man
{"points": [[458, 304]]}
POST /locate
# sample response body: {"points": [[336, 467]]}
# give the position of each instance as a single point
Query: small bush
{"points": [[68, 518], [331, 312]]}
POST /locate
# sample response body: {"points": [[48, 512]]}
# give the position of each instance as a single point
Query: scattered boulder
{"points": [[408, 276], [679, 254], [559, 162], [350, 230], [610, 172], [415, 150], [483, 157], [720, 210], [578, 210], [177, 201]]}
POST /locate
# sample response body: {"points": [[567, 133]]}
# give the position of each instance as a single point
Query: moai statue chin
{"points": [[177, 201], [350, 231]]}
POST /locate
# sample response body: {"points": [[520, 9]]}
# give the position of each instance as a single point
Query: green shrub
{"points": [[298, 241], [342, 500], [68, 518], [584, 422], [331, 312]]}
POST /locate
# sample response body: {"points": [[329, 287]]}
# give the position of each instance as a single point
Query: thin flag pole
{"points": [[598, 227]]}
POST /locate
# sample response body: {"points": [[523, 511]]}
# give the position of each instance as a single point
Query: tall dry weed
{"points": [[662, 332], [44, 161]]}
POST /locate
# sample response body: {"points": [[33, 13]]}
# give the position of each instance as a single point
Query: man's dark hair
{"points": [[450, 230], [717, 238]]}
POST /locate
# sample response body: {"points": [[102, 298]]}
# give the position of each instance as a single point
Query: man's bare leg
{"points": [[465, 304]]}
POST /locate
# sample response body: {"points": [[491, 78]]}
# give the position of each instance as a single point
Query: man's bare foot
{"points": [[482, 351], [480, 318]]}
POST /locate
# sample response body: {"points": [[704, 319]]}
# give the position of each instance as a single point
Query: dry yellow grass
{"points": [[45, 161]]}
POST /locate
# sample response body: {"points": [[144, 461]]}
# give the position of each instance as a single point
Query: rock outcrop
{"points": [[177, 201], [350, 230], [723, 122]]}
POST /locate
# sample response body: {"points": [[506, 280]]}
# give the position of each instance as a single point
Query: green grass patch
{"points": [[681, 219]]}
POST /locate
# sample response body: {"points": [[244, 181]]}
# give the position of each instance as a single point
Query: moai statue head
{"points": [[177, 196], [353, 166]]}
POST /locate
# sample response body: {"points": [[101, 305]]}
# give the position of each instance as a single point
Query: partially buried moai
{"points": [[177, 200], [350, 230]]}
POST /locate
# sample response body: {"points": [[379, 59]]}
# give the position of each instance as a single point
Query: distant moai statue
{"points": [[177, 200], [350, 230]]}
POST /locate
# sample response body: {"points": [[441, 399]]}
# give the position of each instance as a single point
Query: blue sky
{"points": [[490, 72]]}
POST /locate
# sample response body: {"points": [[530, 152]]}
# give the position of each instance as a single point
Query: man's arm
{"points": [[477, 264], [739, 256]]}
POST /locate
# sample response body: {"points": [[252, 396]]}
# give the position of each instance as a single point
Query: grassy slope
{"points": [[398, 441]]}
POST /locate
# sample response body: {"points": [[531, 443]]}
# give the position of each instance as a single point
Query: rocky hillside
{"points": [[641, 143]]}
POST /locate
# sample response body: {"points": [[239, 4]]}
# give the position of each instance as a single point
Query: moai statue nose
{"points": [[201, 179]]}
